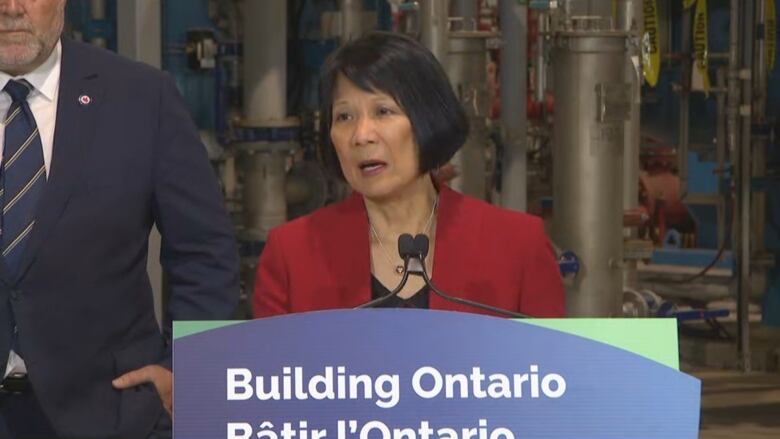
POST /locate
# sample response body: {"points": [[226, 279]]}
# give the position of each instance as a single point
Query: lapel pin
{"points": [[85, 100]]}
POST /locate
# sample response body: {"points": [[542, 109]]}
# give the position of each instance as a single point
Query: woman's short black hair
{"points": [[404, 69]]}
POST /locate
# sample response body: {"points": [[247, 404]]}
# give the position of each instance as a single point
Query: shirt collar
{"points": [[45, 78]]}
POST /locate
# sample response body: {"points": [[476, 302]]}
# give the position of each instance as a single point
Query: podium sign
{"points": [[420, 374]]}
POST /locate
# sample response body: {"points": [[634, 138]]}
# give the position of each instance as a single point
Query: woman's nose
{"points": [[365, 131]]}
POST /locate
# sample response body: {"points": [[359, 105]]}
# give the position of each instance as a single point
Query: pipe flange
{"points": [[259, 147]]}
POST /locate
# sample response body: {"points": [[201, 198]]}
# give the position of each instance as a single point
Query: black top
{"points": [[418, 300]]}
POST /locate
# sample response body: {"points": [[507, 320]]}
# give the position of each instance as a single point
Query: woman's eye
{"points": [[339, 117], [384, 111]]}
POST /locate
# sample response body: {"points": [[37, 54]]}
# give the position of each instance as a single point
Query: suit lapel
{"points": [[78, 101]]}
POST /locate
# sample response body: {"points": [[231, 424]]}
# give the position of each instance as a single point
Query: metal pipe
{"points": [[467, 13], [685, 102], [760, 89], [720, 153], [732, 131], [265, 60], [589, 72], [97, 9], [230, 180], [733, 87], [593, 8], [139, 30], [265, 104], [434, 28], [513, 76], [265, 205], [748, 33], [351, 19], [540, 66], [468, 75], [629, 19]]}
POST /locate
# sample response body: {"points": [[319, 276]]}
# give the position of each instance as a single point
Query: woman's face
{"points": [[374, 141]]}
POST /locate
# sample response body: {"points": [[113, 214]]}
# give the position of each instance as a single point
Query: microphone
{"points": [[421, 244], [408, 252]]}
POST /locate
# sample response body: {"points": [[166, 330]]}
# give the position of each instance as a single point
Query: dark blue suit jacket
{"points": [[82, 300]]}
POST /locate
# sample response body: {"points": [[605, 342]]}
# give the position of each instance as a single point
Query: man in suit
{"points": [[96, 149]]}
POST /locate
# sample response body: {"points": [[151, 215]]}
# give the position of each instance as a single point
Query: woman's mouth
{"points": [[372, 167]]}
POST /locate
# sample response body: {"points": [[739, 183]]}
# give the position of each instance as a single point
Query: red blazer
{"points": [[483, 253]]}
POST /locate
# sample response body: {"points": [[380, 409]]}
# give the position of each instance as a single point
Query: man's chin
{"points": [[16, 59]]}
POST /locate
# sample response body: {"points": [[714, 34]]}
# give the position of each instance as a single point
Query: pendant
{"points": [[399, 269]]}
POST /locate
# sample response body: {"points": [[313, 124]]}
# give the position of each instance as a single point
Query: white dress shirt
{"points": [[43, 103]]}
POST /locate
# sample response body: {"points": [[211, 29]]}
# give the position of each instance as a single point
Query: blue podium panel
{"points": [[419, 374]]}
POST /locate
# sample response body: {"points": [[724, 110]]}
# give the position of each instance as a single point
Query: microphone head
{"points": [[421, 244], [406, 246]]}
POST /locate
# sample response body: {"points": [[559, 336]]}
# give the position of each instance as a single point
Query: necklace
{"points": [[399, 269]]}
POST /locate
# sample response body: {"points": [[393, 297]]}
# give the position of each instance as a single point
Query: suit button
{"points": [[16, 294]]}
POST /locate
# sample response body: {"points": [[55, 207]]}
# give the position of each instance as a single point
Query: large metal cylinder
{"points": [[467, 71], [265, 60], [592, 101], [265, 205], [265, 105]]}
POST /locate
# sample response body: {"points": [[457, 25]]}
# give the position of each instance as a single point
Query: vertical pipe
{"points": [[760, 83], [685, 102], [434, 28], [265, 104], [467, 11], [540, 66], [733, 89], [97, 9], [591, 105], [265, 60], [351, 19], [720, 153], [265, 205], [748, 33], [629, 19], [513, 76], [468, 75], [230, 179], [732, 130], [139, 30]]}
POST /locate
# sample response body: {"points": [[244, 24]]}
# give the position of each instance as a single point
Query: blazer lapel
{"points": [[348, 253], [449, 250], [78, 101]]}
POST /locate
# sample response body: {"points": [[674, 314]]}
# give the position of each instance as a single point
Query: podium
{"points": [[424, 374]]}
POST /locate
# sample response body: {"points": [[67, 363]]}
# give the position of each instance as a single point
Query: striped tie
{"points": [[23, 174]]}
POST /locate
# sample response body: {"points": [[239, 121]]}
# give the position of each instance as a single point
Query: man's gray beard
{"points": [[32, 49]]}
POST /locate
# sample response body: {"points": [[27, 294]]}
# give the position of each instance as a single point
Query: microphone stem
{"points": [[380, 300], [483, 306]]}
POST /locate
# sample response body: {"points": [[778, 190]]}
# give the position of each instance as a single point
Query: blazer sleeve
{"points": [[271, 292], [543, 294], [199, 252]]}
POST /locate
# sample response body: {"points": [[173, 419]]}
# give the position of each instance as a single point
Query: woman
{"points": [[391, 119]]}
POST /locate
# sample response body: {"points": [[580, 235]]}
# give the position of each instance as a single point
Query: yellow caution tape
{"points": [[651, 43], [701, 75]]}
